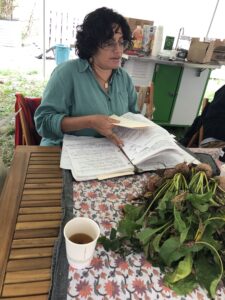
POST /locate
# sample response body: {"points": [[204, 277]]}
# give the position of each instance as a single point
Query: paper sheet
{"points": [[129, 123], [90, 158]]}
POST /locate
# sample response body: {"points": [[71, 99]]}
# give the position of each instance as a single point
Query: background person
{"points": [[82, 93]]}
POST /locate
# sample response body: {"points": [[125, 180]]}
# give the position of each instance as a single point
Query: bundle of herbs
{"points": [[179, 223]]}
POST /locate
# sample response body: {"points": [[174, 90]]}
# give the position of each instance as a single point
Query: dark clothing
{"points": [[214, 119]]}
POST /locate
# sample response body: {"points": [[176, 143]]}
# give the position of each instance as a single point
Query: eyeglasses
{"points": [[111, 45]]}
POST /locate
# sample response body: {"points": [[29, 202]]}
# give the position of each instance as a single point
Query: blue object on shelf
{"points": [[62, 53]]}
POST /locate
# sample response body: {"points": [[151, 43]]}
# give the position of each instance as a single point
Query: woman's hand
{"points": [[101, 123], [104, 125]]}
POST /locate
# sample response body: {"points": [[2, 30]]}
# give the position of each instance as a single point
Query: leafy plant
{"points": [[179, 223]]}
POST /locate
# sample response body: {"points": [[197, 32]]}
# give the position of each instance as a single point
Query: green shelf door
{"points": [[166, 80]]}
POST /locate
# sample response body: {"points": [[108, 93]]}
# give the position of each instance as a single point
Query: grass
{"points": [[11, 82]]}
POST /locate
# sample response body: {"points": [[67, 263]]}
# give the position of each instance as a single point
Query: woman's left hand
{"points": [[104, 125]]}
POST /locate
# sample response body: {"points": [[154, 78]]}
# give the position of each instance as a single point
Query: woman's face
{"points": [[109, 56]]}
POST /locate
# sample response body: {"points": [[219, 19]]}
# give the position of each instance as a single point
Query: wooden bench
{"points": [[30, 216]]}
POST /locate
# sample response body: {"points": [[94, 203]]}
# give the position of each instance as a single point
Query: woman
{"points": [[81, 94]]}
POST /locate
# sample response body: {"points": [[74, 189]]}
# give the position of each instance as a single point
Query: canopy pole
{"points": [[212, 18], [44, 46]]}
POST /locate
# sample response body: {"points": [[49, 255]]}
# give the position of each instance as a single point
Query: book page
{"points": [[91, 158], [163, 160], [142, 144], [129, 123], [65, 159]]}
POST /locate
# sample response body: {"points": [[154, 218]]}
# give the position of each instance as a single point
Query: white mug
{"points": [[81, 235]]}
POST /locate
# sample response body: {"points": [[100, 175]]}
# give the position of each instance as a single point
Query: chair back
{"points": [[146, 100], [197, 137], [25, 131]]}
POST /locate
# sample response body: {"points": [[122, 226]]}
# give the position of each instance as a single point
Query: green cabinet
{"points": [[166, 79]]}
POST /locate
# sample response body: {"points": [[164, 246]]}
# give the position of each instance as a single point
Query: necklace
{"points": [[105, 82]]}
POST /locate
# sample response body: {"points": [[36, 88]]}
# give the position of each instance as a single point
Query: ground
{"points": [[22, 72]]}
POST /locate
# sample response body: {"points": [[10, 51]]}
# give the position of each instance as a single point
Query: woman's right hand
{"points": [[104, 125]]}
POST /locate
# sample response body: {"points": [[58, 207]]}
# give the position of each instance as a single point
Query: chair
{"points": [[199, 134], [25, 132], [146, 100]]}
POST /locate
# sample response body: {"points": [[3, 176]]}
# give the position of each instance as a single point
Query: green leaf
{"points": [[165, 200], [184, 286], [158, 237], [133, 212], [206, 272], [156, 241], [180, 225], [218, 261], [183, 270], [168, 248], [106, 243], [200, 201], [145, 235], [127, 227], [208, 237], [113, 234]]}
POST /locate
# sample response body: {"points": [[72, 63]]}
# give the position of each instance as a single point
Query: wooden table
{"points": [[30, 216]]}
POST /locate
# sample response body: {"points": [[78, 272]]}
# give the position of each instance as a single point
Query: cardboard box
{"points": [[133, 23], [200, 52], [205, 52]]}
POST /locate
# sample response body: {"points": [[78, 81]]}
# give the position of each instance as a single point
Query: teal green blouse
{"points": [[73, 90]]}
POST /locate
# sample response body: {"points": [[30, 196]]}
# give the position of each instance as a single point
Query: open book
{"points": [[145, 148]]}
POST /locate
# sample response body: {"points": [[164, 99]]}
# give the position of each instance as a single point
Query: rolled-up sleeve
{"points": [[54, 107]]}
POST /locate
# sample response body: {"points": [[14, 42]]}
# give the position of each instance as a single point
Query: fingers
{"points": [[113, 121], [115, 139]]}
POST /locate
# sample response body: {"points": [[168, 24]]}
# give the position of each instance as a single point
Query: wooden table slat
{"points": [[39, 217], [28, 276], [42, 191], [37, 225], [39, 203], [30, 216], [45, 154], [31, 253], [45, 161], [33, 242], [45, 210], [44, 167], [43, 185], [49, 172], [36, 297], [30, 288], [43, 180], [44, 157], [42, 197], [9, 205], [29, 264], [36, 233], [45, 175]]}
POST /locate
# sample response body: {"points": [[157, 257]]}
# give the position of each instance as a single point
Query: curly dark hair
{"points": [[97, 28]]}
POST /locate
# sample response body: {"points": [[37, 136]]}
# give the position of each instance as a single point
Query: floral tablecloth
{"points": [[109, 276]]}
